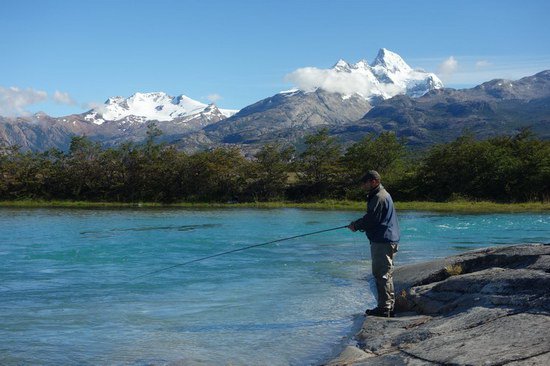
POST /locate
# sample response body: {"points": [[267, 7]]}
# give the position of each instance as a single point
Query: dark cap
{"points": [[371, 174]]}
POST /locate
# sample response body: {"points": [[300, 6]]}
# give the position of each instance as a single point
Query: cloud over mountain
{"points": [[331, 80], [63, 98], [14, 101], [386, 76]]}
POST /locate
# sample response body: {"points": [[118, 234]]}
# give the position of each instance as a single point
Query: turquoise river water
{"points": [[69, 293]]}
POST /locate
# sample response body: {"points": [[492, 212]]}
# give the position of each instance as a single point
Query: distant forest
{"points": [[502, 169]]}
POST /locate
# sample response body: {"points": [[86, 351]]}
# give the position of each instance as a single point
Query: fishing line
{"points": [[235, 250]]}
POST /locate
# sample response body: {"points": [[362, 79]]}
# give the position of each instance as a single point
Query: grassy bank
{"points": [[454, 206]]}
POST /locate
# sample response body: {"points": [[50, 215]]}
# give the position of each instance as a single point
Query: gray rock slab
{"points": [[512, 287], [351, 355], [538, 360], [394, 359], [503, 340], [378, 334], [486, 307]]}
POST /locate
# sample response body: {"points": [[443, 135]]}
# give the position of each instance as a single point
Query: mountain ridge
{"points": [[157, 106], [495, 107], [423, 116]]}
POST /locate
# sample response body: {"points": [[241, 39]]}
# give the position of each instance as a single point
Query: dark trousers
{"points": [[382, 269]]}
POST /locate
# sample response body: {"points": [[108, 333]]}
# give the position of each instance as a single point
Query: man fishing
{"points": [[382, 228]]}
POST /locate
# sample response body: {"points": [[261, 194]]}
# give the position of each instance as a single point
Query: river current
{"points": [[71, 291]]}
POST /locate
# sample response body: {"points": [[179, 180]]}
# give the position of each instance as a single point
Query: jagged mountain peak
{"points": [[341, 65], [390, 61], [387, 76], [362, 64]]}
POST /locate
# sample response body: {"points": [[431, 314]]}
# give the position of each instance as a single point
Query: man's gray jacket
{"points": [[380, 222]]}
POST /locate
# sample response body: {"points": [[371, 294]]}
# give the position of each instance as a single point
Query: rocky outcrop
{"points": [[487, 307]]}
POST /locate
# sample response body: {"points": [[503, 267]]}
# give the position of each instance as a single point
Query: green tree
{"points": [[318, 167], [218, 175], [503, 168], [161, 176], [270, 172], [83, 169], [383, 153], [152, 149], [9, 159]]}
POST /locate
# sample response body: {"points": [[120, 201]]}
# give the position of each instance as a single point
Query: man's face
{"points": [[370, 184]]}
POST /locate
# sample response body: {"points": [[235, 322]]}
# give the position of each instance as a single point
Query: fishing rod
{"points": [[235, 250]]}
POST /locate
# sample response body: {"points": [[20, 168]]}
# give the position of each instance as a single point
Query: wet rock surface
{"points": [[487, 307]]}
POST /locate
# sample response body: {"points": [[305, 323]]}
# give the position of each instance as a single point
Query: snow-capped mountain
{"points": [[118, 120], [350, 100], [390, 68], [387, 76], [158, 106], [322, 98]]}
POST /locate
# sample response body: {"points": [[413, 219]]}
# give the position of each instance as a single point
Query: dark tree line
{"points": [[504, 168]]}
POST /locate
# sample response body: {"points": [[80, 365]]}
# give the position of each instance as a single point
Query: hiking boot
{"points": [[381, 312]]}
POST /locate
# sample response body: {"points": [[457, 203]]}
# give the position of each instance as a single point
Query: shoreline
{"points": [[488, 306], [444, 207]]}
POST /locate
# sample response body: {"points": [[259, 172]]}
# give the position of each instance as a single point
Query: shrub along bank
{"points": [[501, 169]]}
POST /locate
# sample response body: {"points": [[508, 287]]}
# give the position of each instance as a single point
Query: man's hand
{"points": [[352, 227]]}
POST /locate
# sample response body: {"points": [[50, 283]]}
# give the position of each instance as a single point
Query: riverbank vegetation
{"points": [[503, 169], [459, 206]]}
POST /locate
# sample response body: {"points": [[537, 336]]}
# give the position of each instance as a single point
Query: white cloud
{"points": [[481, 64], [474, 70], [63, 98], [14, 101], [213, 98], [448, 67], [98, 107], [311, 78]]}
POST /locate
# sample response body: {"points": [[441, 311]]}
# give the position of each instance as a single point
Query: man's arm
{"points": [[359, 225], [370, 220]]}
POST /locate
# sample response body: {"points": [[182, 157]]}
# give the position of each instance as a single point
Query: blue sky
{"points": [[62, 57]]}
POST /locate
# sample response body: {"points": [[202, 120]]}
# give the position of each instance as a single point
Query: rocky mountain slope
{"points": [[285, 116], [118, 120], [494, 107], [41, 132]]}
